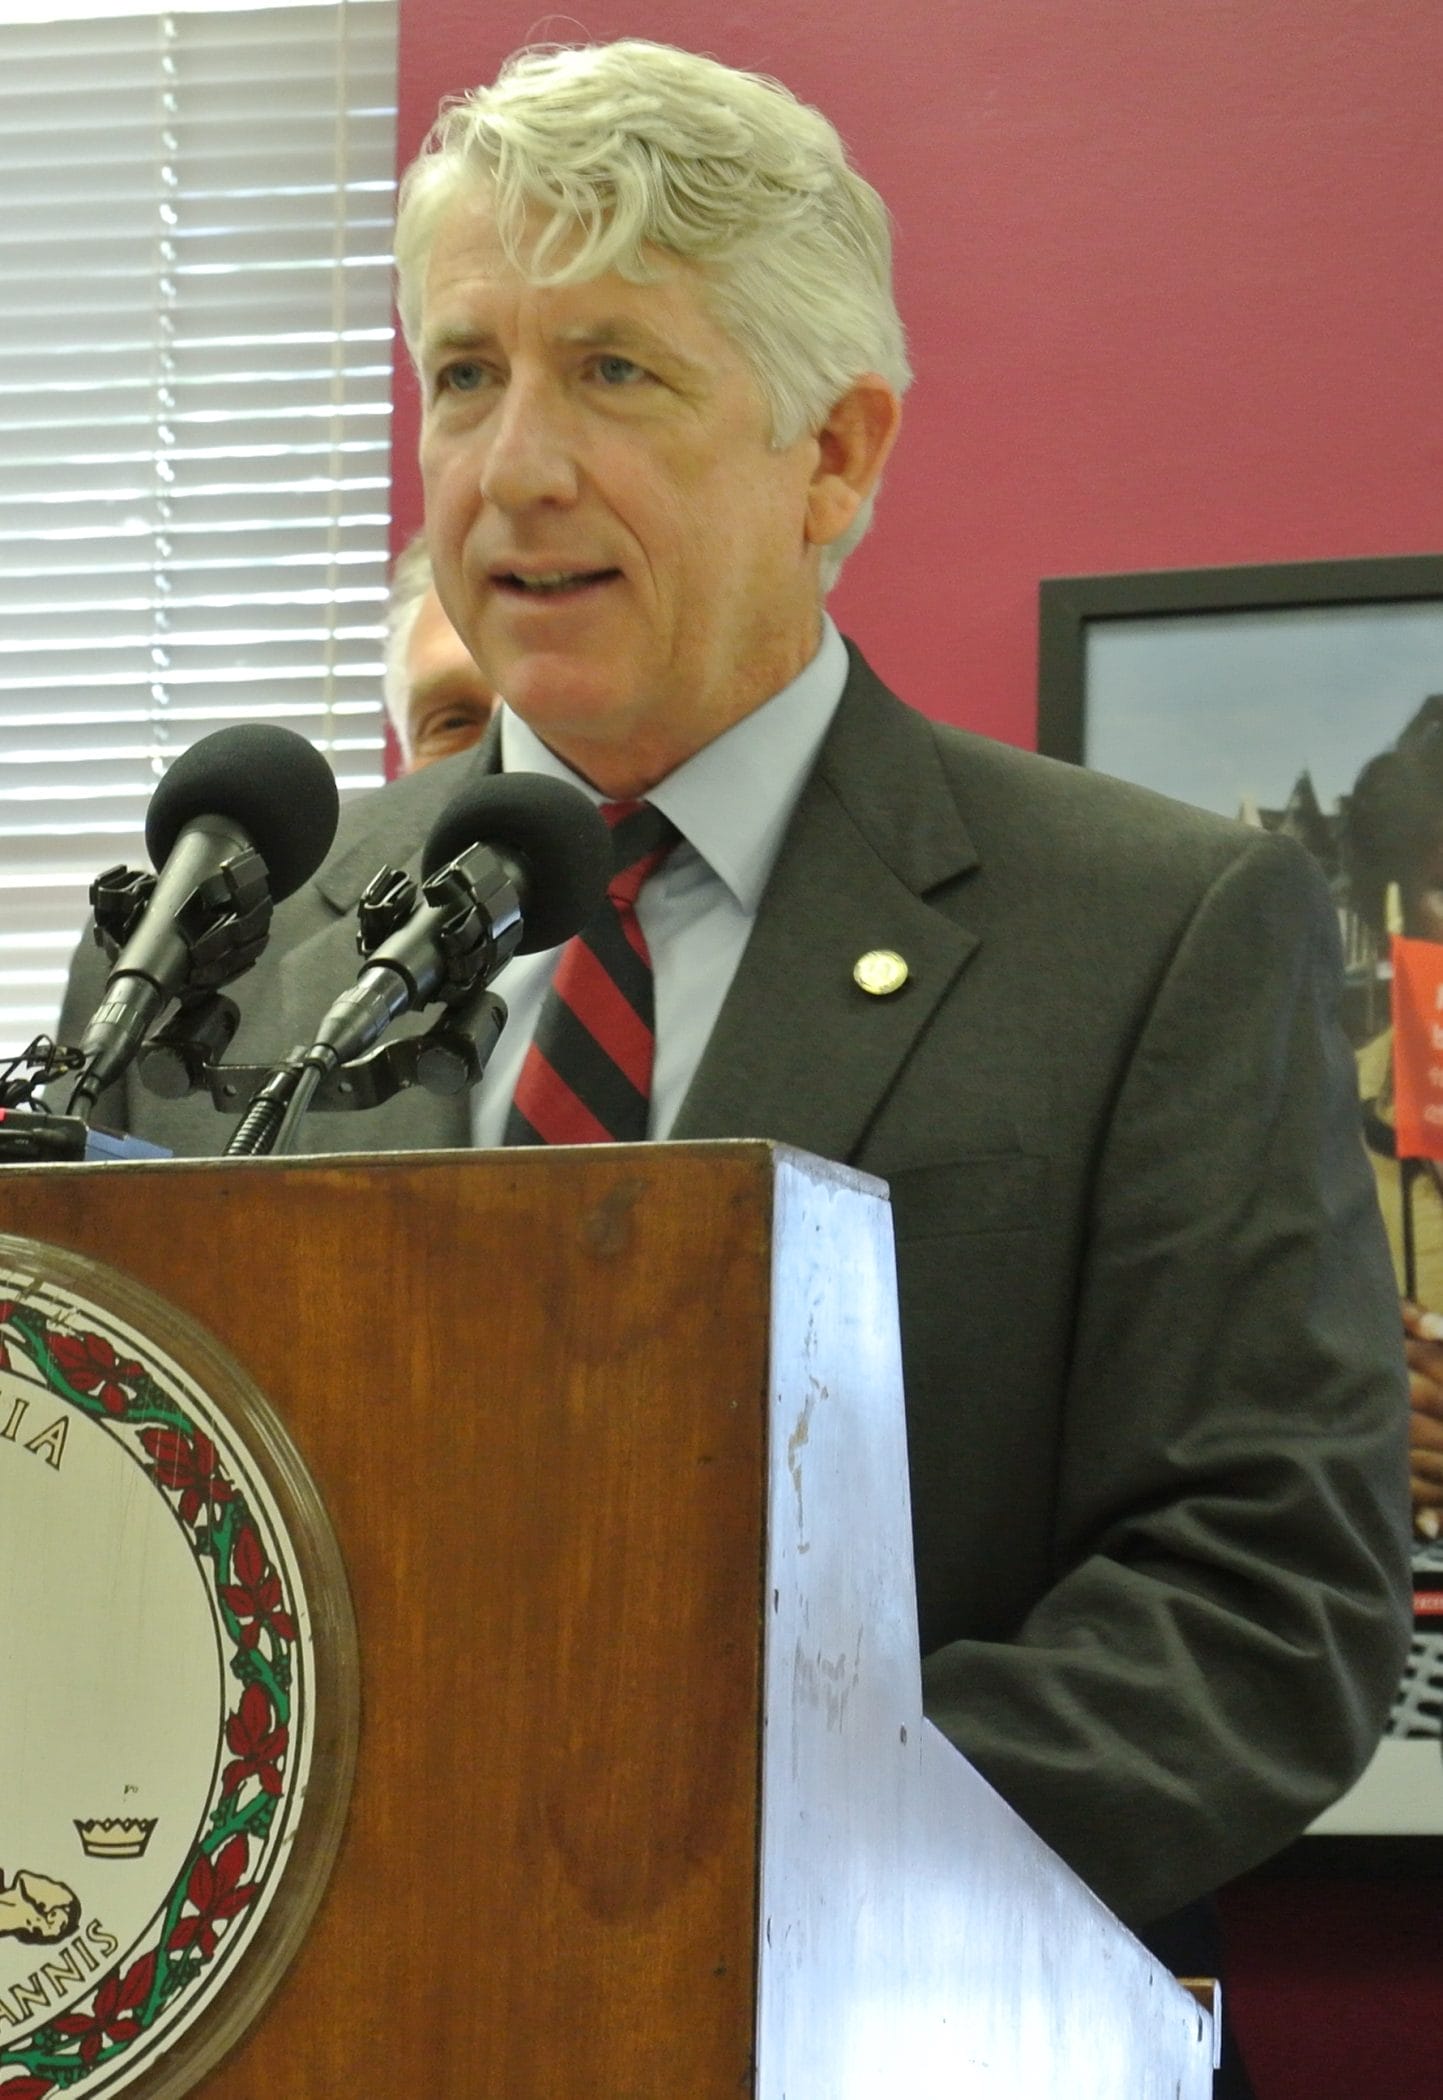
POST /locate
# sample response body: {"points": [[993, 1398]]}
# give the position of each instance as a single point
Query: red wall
{"points": [[1171, 275]]}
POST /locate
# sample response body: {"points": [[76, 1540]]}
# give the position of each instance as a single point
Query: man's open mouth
{"points": [[558, 583]]}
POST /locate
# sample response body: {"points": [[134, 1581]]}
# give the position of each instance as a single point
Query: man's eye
{"points": [[618, 371], [463, 377]]}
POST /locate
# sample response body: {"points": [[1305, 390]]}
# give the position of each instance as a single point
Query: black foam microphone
{"points": [[517, 862], [254, 790]]}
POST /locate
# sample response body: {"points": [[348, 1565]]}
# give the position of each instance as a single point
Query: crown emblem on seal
{"points": [[115, 1837]]}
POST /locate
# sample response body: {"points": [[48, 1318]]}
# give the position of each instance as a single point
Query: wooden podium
{"points": [[612, 1441]]}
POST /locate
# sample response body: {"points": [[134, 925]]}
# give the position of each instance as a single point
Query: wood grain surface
{"points": [[532, 1388]]}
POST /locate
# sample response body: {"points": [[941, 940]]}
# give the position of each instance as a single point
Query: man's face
{"points": [[448, 702], [625, 555]]}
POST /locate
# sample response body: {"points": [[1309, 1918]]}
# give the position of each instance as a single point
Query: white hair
{"points": [[410, 581], [634, 147]]}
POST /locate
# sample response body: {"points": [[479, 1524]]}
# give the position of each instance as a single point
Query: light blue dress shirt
{"points": [[731, 803]]}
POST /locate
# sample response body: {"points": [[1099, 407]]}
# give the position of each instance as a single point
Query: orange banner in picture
{"points": [[1418, 1047]]}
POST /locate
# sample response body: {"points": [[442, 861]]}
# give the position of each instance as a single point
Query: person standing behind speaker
{"points": [[438, 700]]}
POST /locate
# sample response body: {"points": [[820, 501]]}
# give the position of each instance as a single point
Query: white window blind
{"points": [[195, 379]]}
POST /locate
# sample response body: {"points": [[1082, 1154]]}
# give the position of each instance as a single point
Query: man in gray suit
{"points": [[1155, 1396]]}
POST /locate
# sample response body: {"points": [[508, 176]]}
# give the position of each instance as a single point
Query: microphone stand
{"points": [[186, 1057], [447, 1059]]}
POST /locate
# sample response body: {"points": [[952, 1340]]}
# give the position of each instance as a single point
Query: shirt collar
{"points": [[732, 801]]}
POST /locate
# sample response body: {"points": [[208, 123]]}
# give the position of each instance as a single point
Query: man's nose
{"points": [[530, 454]]}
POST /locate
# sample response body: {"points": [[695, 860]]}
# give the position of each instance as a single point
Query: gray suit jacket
{"points": [[1156, 1410]]}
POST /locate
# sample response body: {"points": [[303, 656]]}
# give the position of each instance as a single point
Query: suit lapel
{"points": [[800, 1053]]}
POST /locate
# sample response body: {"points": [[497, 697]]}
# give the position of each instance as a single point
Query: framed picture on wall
{"points": [[1262, 694]]}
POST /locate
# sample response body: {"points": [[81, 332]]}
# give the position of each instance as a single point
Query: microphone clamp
{"points": [[477, 922], [225, 922]]}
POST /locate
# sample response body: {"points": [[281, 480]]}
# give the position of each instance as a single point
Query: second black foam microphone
{"points": [[516, 863]]}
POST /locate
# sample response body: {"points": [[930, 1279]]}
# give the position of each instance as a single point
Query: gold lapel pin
{"points": [[880, 971]]}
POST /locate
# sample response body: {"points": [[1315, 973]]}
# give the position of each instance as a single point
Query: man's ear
{"points": [[852, 448]]}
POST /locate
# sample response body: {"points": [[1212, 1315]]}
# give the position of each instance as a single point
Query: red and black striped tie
{"points": [[586, 1079]]}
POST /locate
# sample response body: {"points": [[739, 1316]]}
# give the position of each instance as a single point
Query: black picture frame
{"points": [[1191, 679], [1069, 605]]}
